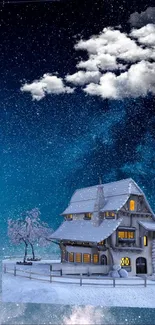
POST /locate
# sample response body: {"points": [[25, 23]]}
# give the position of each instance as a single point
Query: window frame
{"points": [[132, 205], [125, 265], [145, 241], [75, 258], [127, 235], [85, 259], [69, 217], [97, 255], [69, 255], [87, 216]]}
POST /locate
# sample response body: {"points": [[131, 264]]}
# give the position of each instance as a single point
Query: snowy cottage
{"points": [[108, 224]]}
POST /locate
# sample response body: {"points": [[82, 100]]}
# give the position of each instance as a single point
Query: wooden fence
{"points": [[81, 279]]}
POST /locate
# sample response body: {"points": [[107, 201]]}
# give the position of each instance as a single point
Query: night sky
{"points": [[51, 147]]}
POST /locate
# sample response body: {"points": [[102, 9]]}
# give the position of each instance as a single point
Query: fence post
{"points": [[80, 280], [145, 282], [50, 276], [15, 271], [4, 268], [61, 272], [51, 268], [30, 275], [114, 282]]}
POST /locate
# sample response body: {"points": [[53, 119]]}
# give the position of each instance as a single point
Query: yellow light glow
{"points": [[71, 257], [132, 205], [86, 258], [95, 258], [78, 257], [125, 261], [145, 240]]}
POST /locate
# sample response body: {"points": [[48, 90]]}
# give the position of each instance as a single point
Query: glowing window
{"points": [[126, 234], [132, 205], [86, 258], [69, 217], [95, 258], [125, 261], [112, 214], [71, 257], [107, 214], [145, 240], [87, 216], [78, 257]]}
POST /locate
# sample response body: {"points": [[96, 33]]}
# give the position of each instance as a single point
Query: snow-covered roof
{"points": [[115, 202], [84, 230], [148, 225], [116, 194]]}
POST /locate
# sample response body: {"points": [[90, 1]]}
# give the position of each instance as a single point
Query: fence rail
{"points": [[82, 279]]}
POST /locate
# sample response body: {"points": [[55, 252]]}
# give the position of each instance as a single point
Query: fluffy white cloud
{"points": [[100, 62], [143, 18], [48, 84], [119, 65], [145, 35], [107, 49], [82, 77], [139, 80]]}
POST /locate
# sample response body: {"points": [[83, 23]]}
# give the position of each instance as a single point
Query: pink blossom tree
{"points": [[30, 230]]}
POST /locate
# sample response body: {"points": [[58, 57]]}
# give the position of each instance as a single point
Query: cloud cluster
{"points": [[124, 64], [143, 18], [48, 84], [139, 80], [119, 65]]}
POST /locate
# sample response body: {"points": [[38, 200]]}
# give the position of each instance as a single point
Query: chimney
{"points": [[99, 204]]}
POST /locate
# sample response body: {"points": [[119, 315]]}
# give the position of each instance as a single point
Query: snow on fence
{"points": [[81, 279]]}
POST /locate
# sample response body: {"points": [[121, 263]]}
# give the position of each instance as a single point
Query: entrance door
{"points": [[103, 260], [141, 265]]}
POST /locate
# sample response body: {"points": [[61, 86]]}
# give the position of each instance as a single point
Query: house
{"points": [[108, 224]]}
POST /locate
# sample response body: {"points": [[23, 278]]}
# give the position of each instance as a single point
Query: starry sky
{"points": [[50, 147]]}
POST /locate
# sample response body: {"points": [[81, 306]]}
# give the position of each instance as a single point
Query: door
{"points": [[141, 265], [103, 260]]}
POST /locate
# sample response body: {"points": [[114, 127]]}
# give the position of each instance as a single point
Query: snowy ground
{"points": [[21, 289]]}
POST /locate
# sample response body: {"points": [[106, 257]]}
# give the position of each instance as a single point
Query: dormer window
{"points": [[69, 217], [132, 205], [109, 214], [87, 216]]}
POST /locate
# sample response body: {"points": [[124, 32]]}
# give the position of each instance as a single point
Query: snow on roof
{"points": [[84, 230], [115, 193], [149, 225], [115, 203]]}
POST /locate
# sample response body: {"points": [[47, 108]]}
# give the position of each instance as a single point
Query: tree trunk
{"points": [[33, 254], [25, 256], [153, 255]]}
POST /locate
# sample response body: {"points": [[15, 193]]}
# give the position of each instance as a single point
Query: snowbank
{"points": [[24, 290]]}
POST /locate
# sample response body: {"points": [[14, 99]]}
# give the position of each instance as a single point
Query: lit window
{"points": [[86, 258], [132, 205], [78, 257], [69, 217], [101, 243], [125, 261], [109, 214], [71, 257], [95, 258], [126, 235], [87, 216], [145, 240]]}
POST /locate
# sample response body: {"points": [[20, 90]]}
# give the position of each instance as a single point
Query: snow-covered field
{"points": [[21, 289]]}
